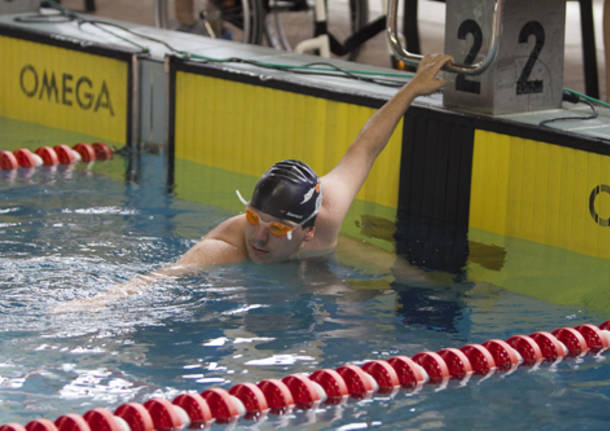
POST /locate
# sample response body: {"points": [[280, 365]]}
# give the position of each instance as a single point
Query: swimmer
{"points": [[292, 213]]}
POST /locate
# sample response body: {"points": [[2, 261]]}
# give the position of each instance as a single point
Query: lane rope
{"points": [[251, 401], [52, 156]]}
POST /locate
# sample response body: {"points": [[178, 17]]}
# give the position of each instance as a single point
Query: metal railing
{"points": [[414, 59]]}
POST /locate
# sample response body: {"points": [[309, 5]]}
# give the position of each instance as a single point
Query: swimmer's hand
{"points": [[425, 80]]}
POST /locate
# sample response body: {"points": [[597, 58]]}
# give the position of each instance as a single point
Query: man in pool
{"points": [[294, 214]]}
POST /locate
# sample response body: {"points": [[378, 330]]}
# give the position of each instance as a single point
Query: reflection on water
{"points": [[72, 236], [438, 309]]}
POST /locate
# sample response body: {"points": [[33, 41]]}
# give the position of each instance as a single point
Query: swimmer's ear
{"points": [[309, 233]]}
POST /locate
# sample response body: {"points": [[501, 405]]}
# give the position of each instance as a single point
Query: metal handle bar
{"points": [[413, 59]]}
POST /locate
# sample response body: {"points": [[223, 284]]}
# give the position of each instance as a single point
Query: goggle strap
{"points": [[241, 198], [312, 215]]}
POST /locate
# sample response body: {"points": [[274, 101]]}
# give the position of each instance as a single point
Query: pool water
{"points": [[69, 233]]}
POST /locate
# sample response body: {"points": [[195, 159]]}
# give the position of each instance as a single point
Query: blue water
{"points": [[68, 234]]}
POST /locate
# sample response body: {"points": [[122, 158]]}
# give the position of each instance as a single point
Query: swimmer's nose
{"points": [[261, 234]]}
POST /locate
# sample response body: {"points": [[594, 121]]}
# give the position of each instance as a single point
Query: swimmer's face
{"points": [[263, 243]]}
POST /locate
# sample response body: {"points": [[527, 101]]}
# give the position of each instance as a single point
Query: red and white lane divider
{"points": [[59, 154], [248, 400]]}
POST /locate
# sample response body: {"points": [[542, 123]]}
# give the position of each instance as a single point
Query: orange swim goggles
{"points": [[276, 228]]}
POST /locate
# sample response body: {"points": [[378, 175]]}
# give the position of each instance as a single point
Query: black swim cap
{"points": [[290, 190]]}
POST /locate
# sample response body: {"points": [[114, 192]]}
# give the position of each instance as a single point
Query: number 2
{"points": [[524, 84], [470, 27], [532, 28]]}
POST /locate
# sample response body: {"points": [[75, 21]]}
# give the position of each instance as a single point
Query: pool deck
{"points": [[431, 17], [139, 17]]}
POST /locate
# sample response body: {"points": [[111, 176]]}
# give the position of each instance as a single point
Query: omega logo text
{"points": [[602, 188], [64, 88]]}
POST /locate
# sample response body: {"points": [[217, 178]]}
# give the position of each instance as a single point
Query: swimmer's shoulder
{"points": [[232, 229], [223, 244]]}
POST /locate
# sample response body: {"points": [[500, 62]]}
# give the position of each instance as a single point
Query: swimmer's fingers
{"points": [[426, 80], [431, 64]]}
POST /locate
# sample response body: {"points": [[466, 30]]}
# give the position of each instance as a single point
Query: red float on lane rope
{"points": [[42, 425], [8, 161], [165, 415], [136, 416], [528, 349], [103, 420], [457, 362], [605, 325], [481, 359], [102, 151], [252, 398], [384, 374], [595, 338], [224, 406], [435, 366], [332, 383], [410, 374], [572, 340], [278, 396], [66, 155], [86, 151], [72, 422], [305, 393], [359, 383], [12, 427], [48, 156], [27, 159], [504, 355], [195, 407], [552, 349]]}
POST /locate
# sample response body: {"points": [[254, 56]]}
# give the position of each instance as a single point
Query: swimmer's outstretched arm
{"points": [[343, 183], [134, 285], [221, 245]]}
